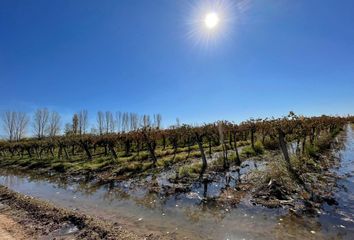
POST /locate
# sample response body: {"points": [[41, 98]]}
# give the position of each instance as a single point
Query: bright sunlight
{"points": [[211, 20]]}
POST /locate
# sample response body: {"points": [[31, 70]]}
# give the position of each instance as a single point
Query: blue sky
{"points": [[137, 56]]}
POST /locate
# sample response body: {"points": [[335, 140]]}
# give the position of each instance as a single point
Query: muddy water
{"points": [[338, 221], [189, 215]]}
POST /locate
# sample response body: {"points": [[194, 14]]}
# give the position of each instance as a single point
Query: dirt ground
{"points": [[23, 217], [10, 230]]}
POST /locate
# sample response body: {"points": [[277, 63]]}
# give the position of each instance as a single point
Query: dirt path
{"points": [[10, 230]]}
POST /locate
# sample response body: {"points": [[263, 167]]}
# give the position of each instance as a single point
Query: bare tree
{"points": [[40, 122], [100, 122], [83, 121], [9, 120], [54, 124], [109, 122], [146, 121], [21, 125], [157, 121], [134, 121], [118, 121], [15, 124], [125, 122]]}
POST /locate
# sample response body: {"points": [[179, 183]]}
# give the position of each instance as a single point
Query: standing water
{"points": [[338, 221], [188, 216]]}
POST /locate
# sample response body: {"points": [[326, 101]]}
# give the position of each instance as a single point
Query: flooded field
{"points": [[193, 214]]}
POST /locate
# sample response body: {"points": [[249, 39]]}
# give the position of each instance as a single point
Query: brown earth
{"points": [[23, 217], [10, 230]]}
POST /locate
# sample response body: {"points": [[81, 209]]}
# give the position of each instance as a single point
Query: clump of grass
{"points": [[320, 145], [277, 171], [243, 143], [248, 151], [219, 161], [24, 163], [190, 170], [165, 162], [258, 148], [134, 167], [232, 157], [304, 164], [196, 154], [146, 166], [143, 156]]}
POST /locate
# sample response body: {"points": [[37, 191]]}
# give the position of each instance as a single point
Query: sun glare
{"points": [[211, 20]]}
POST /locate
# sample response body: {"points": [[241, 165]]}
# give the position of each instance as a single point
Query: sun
{"points": [[211, 20]]}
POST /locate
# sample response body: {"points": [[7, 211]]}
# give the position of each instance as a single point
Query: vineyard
{"points": [[151, 148], [280, 162]]}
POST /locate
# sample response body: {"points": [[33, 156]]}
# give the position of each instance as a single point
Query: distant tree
{"points": [[68, 129], [82, 121], [15, 124], [75, 125], [40, 122], [9, 120], [125, 122], [134, 121], [118, 120], [178, 122], [54, 124], [21, 125], [100, 122], [158, 121], [109, 122], [146, 121], [94, 131]]}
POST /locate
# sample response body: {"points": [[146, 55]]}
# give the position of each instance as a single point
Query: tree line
{"points": [[45, 123]]}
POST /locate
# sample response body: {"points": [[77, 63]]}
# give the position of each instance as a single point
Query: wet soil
{"points": [[25, 217]]}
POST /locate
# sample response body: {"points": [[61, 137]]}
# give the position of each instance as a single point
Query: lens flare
{"points": [[211, 20]]}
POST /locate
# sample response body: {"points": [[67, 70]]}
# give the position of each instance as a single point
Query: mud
{"points": [[41, 220]]}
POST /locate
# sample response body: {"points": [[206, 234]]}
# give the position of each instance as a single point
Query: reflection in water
{"points": [[338, 220], [195, 214]]}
